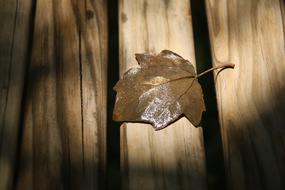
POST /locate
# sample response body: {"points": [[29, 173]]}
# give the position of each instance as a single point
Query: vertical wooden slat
{"points": [[15, 21], [172, 158], [94, 84], [251, 98], [65, 119]]}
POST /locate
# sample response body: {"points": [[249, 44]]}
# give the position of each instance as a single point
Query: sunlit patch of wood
{"points": [[173, 157]]}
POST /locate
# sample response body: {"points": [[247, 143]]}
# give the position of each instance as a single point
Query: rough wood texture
{"points": [[172, 158], [251, 98], [15, 21], [65, 116]]}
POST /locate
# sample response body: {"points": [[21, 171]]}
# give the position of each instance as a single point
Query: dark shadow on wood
{"points": [[113, 128], [256, 148], [210, 122], [24, 96], [37, 75]]}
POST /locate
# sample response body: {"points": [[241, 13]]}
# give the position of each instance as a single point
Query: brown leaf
{"points": [[163, 88]]}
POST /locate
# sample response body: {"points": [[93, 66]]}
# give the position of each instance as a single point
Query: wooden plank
{"points": [[172, 158], [15, 19], [251, 99], [65, 116], [94, 84]]}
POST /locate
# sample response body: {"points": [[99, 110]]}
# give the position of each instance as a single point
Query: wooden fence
{"points": [[53, 94]]}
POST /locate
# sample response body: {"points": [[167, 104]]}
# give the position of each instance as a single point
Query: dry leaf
{"points": [[163, 88]]}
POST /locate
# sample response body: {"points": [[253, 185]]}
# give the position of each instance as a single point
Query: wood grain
{"points": [[172, 158], [65, 116], [15, 21], [251, 98]]}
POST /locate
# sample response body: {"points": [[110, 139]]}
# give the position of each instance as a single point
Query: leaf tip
{"points": [[142, 58], [117, 116]]}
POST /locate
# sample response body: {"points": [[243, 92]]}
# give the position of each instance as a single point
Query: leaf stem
{"points": [[226, 65]]}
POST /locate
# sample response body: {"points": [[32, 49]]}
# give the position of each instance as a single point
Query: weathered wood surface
{"points": [[251, 98], [172, 158], [65, 113], [15, 21]]}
